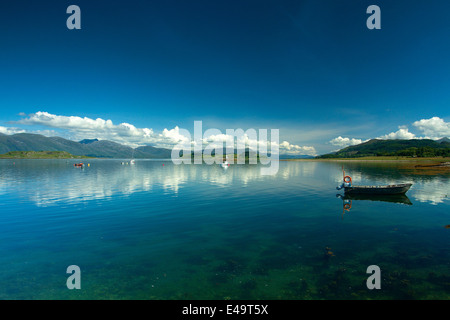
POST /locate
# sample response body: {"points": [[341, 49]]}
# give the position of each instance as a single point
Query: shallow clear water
{"points": [[155, 230]]}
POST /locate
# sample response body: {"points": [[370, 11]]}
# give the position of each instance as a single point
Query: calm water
{"points": [[154, 230]]}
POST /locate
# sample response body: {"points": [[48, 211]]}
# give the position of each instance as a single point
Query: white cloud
{"points": [[402, 134], [87, 128], [6, 130], [220, 138], [345, 142], [285, 147], [64, 122], [12, 130], [125, 133], [174, 136], [293, 149], [434, 128]]}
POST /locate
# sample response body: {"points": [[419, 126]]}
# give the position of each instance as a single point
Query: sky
{"points": [[139, 71]]}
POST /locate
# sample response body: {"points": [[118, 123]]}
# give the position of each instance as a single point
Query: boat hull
{"points": [[380, 190]]}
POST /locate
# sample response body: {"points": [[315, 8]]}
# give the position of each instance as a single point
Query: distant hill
{"points": [[157, 153], [377, 147], [443, 140], [91, 148]]}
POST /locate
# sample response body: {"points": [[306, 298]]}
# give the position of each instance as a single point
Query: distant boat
{"points": [[225, 164], [132, 158], [78, 165], [375, 190]]}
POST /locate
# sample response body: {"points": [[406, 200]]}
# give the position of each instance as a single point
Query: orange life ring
{"points": [[348, 179], [347, 206]]}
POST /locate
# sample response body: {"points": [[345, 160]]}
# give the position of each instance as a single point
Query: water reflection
{"points": [[347, 200], [50, 182], [433, 190], [400, 198]]}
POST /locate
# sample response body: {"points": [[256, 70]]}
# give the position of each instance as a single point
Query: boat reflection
{"points": [[347, 199]]}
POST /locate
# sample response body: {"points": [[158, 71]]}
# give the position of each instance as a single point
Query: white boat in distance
{"points": [[225, 164]]}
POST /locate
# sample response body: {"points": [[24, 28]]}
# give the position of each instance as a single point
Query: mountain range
{"points": [[88, 147]]}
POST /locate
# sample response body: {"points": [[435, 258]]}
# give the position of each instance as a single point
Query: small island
{"points": [[40, 155]]}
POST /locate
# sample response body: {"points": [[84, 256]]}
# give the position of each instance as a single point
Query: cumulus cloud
{"points": [[13, 130], [82, 128], [345, 142], [219, 140], [294, 149], [401, 134], [66, 122], [434, 128], [174, 134], [6, 130], [125, 133]]}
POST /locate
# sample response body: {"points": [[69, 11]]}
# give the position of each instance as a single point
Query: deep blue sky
{"points": [[310, 68]]}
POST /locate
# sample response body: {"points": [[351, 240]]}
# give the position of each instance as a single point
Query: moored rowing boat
{"points": [[389, 189], [349, 188]]}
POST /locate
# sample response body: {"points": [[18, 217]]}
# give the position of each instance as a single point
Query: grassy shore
{"points": [[40, 155], [394, 159], [419, 166]]}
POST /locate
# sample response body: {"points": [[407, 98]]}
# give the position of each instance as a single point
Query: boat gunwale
{"points": [[391, 186]]}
